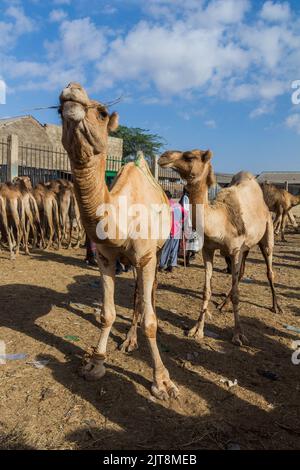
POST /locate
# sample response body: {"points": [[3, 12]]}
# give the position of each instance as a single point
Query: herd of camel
{"points": [[236, 221], [42, 216]]}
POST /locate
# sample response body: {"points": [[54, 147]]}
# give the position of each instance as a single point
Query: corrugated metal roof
{"points": [[280, 177]]}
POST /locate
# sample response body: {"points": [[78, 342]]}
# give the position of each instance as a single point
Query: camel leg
{"points": [[94, 368], [266, 248], [197, 330], [277, 222], [282, 227], [238, 337], [130, 343], [241, 274], [162, 387], [292, 220]]}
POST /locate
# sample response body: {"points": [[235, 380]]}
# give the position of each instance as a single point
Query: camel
{"points": [[32, 216], [49, 214], [4, 227], [15, 217], [68, 210], [280, 202], [236, 221], [86, 124]]}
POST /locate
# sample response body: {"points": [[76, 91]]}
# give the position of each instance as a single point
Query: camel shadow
{"points": [[152, 424]]}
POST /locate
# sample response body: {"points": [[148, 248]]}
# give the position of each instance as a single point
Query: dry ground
{"points": [[49, 296]]}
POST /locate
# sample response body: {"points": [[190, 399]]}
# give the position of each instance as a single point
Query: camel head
{"points": [[193, 166], [86, 124], [23, 182]]}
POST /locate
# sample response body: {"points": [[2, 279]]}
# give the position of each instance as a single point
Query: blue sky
{"points": [[202, 74]]}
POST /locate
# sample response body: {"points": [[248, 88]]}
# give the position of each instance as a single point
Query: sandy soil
{"points": [[47, 310]]}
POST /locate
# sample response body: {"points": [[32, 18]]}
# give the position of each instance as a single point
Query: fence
{"points": [[3, 159], [43, 163]]}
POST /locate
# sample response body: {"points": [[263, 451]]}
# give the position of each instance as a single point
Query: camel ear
{"points": [[113, 122], [206, 156]]}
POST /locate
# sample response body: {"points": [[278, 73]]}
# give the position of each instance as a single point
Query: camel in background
{"points": [[68, 210], [280, 201], [31, 211], [86, 124], [236, 221], [4, 227], [15, 218], [49, 214]]}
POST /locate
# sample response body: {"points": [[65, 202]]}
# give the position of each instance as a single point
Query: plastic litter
{"points": [[80, 306], [267, 374], [72, 338], [229, 383], [39, 364], [12, 357], [292, 328]]}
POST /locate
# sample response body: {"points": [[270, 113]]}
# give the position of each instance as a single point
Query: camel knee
{"points": [[107, 318], [150, 326]]}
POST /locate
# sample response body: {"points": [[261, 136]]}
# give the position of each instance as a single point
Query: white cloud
{"points": [[211, 123], [80, 42], [293, 122], [22, 23], [275, 11], [57, 15], [62, 2], [263, 109]]}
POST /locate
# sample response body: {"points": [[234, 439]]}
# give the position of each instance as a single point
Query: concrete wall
{"points": [[31, 132]]}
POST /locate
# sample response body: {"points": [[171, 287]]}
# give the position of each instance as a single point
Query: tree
{"points": [[135, 139]]}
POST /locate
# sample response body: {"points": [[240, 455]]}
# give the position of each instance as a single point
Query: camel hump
{"points": [[242, 177]]}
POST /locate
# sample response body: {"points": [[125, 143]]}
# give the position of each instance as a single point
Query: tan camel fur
{"points": [[49, 214], [235, 222], [86, 124], [68, 210], [32, 216], [4, 227], [280, 202], [15, 216]]}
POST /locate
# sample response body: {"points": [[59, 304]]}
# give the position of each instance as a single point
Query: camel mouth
{"points": [[164, 162], [72, 110]]}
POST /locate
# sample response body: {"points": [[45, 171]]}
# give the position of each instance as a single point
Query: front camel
{"points": [[235, 222], [86, 124]]}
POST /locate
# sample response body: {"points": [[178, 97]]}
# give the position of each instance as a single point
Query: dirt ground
{"points": [[47, 311]]}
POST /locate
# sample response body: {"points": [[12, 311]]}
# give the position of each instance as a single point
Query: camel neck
{"points": [[91, 191], [198, 194]]}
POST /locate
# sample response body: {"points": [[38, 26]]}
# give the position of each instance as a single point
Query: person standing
{"points": [[169, 254]]}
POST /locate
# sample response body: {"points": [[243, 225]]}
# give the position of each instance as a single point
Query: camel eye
{"points": [[103, 114]]}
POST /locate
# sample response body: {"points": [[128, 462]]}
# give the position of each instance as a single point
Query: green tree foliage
{"points": [[135, 139]]}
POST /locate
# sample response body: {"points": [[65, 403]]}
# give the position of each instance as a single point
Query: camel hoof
{"points": [[129, 345], [164, 390], [196, 333], [92, 370], [239, 339], [222, 305], [276, 309]]}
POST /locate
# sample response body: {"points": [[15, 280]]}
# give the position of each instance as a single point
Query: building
{"points": [[289, 180], [40, 147]]}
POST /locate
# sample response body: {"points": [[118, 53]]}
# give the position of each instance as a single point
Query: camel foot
{"points": [[276, 309], [239, 339], [196, 332], [130, 344], [92, 370], [163, 388], [223, 304]]}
